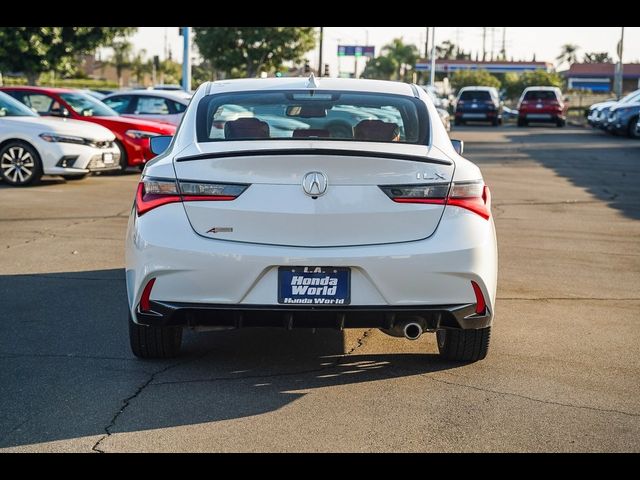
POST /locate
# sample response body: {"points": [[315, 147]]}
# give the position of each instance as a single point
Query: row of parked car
{"points": [[71, 133], [536, 104], [618, 117]]}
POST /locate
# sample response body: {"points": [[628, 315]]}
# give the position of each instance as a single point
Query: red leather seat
{"points": [[311, 133], [246, 128], [376, 130]]}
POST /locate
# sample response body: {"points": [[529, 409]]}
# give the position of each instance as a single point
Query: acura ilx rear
{"points": [[385, 226]]}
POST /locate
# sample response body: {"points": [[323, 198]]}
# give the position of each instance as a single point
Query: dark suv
{"points": [[478, 104], [542, 104]]}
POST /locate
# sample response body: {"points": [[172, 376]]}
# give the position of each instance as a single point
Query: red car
{"points": [[132, 135], [542, 104]]}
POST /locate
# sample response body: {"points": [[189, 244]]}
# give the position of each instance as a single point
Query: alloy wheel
{"points": [[17, 165]]}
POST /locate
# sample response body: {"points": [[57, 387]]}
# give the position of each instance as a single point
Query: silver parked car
{"points": [[166, 106]]}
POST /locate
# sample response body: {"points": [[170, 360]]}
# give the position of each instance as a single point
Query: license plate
{"points": [[314, 285], [107, 158]]}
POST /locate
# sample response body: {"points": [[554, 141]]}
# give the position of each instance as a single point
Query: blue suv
{"points": [[478, 104]]}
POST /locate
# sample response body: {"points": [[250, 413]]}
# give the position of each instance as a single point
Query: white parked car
{"points": [[166, 106], [386, 228], [32, 146]]}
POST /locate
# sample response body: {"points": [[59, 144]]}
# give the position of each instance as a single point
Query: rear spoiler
{"points": [[312, 151]]}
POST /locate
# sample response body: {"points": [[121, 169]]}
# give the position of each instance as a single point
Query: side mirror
{"points": [[160, 143], [458, 146], [59, 112]]}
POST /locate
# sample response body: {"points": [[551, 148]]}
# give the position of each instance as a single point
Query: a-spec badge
{"points": [[220, 230]]}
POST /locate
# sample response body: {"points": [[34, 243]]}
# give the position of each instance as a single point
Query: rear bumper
{"points": [[208, 278], [460, 316]]}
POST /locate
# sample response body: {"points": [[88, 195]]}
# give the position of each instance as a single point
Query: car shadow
{"points": [[67, 371]]}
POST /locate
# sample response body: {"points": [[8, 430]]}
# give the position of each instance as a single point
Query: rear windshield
{"points": [[477, 95], [301, 114], [540, 95]]}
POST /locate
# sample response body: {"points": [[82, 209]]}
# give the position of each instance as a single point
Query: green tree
{"points": [[380, 68], [568, 54], [596, 57], [33, 50], [170, 71], [248, 51], [140, 67], [121, 58], [466, 78], [515, 84], [405, 56]]}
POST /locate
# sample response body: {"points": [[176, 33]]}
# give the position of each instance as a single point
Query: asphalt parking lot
{"points": [[561, 375]]}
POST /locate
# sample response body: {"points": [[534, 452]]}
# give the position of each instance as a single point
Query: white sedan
{"points": [[387, 227], [166, 106], [32, 146]]}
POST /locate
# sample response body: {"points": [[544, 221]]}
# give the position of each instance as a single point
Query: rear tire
{"points": [[463, 345], [561, 122], [154, 342], [124, 159], [495, 122], [632, 128], [457, 122], [522, 123]]}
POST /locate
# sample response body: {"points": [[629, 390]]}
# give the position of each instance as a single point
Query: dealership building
{"points": [[599, 77], [449, 66]]}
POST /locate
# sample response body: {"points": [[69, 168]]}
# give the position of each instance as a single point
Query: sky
{"points": [[521, 42]]}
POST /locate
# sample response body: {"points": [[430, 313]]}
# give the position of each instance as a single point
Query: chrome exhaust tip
{"points": [[412, 331]]}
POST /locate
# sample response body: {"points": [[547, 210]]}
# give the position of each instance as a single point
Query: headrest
{"points": [[246, 128], [311, 132], [376, 130]]}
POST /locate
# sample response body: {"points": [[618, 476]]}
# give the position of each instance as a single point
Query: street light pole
{"points": [[320, 71], [426, 45], [433, 56], [618, 76], [186, 59]]}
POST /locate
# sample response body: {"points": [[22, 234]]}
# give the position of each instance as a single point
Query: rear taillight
{"points": [[474, 196], [154, 192]]}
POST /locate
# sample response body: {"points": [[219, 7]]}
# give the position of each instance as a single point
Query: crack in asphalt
{"points": [[127, 401], [149, 381], [533, 399]]}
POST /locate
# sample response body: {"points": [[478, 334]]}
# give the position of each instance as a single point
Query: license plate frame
{"points": [[320, 289]]}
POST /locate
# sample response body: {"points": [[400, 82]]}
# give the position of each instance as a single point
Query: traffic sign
{"points": [[356, 51]]}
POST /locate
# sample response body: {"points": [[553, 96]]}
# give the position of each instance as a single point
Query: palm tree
{"points": [[405, 56], [121, 59], [568, 54]]}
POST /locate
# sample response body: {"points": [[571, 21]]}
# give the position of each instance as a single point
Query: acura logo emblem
{"points": [[314, 184]]}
